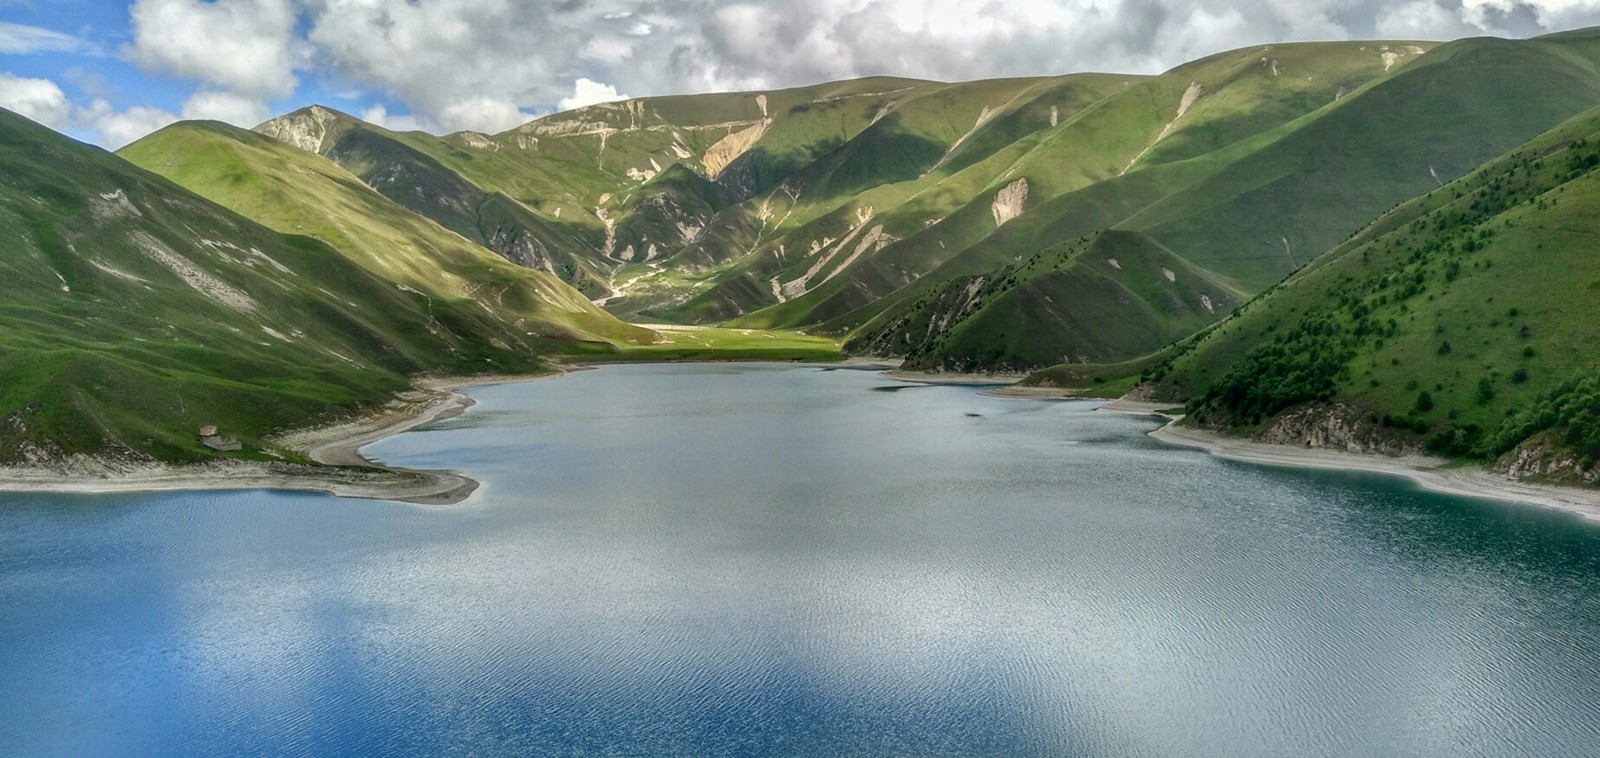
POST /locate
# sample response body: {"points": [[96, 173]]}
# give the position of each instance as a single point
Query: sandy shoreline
{"points": [[944, 377], [1037, 393], [343, 472], [1435, 474]]}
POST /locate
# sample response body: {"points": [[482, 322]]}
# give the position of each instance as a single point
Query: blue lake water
{"points": [[779, 560]]}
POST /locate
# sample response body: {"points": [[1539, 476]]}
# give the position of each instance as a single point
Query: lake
{"points": [[791, 560]]}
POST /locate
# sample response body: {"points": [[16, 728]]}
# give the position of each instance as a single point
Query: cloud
{"points": [[225, 106], [38, 99], [476, 63], [589, 92], [244, 46], [482, 114], [114, 128], [378, 115], [43, 101], [460, 64], [20, 39], [488, 65]]}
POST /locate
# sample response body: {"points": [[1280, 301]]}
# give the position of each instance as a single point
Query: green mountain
{"points": [[1107, 225], [865, 208], [1463, 322], [1251, 212], [293, 191], [1097, 299], [133, 311]]}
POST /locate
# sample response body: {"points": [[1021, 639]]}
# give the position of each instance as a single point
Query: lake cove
{"points": [[773, 559]]}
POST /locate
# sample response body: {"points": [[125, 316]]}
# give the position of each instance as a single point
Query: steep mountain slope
{"points": [[1243, 212], [1099, 299], [574, 171], [133, 311], [1126, 130], [867, 208], [829, 198], [1464, 321], [295, 191], [419, 182]]}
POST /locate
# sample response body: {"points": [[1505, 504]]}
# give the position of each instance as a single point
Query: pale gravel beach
{"points": [[1431, 473], [945, 377], [1036, 393], [344, 471]]}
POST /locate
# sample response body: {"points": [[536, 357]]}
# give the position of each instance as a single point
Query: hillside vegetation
{"points": [[1464, 322], [1407, 224], [133, 311], [861, 208], [298, 192]]}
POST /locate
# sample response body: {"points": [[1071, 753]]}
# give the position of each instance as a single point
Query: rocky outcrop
{"points": [[729, 148], [1336, 426], [1009, 201], [306, 129], [1540, 458], [517, 245]]}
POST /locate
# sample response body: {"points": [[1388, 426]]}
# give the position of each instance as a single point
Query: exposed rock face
{"points": [[949, 306], [520, 247], [729, 148], [306, 129], [475, 140], [1542, 459], [1336, 426], [1191, 95], [1009, 201]]}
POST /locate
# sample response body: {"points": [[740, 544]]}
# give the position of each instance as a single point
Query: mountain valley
{"points": [[1264, 234]]}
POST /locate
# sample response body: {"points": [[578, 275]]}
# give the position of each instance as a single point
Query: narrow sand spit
{"points": [[1436, 474], [344, 471], [950, 377], [1036, 393]]}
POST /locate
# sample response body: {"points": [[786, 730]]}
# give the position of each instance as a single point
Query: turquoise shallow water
{"points": [[777, 560]]}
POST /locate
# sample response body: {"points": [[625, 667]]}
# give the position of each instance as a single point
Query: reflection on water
{"points": [[780, 560]]}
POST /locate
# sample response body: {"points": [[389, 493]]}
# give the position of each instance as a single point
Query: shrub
{"points": [[1424, 402]]}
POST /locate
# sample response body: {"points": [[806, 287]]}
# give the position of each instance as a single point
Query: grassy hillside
{"points": [[400, 168], [295, 191], [1463, 321], [133, 311], [817, 204], [915, 218], [1249, 212], [1109, 297], [1122, 129], [1434, 120]]}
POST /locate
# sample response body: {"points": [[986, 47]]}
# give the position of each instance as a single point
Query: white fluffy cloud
{"points": [[225, 106], [482, 113], [489, 65], [589, 92], [43, 101], [485, 63], [244, 46], [116, 128], [38, 99], [379, 115]]}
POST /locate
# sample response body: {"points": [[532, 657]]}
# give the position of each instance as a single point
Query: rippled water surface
{"points": [[774, 560]]}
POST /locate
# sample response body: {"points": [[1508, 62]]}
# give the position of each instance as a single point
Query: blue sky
{"points": [[109, 71]]}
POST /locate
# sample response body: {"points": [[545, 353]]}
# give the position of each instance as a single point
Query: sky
{"points": [[111, 71]]}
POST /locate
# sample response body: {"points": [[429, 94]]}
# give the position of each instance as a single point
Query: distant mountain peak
{"points": [[308, 128]]}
